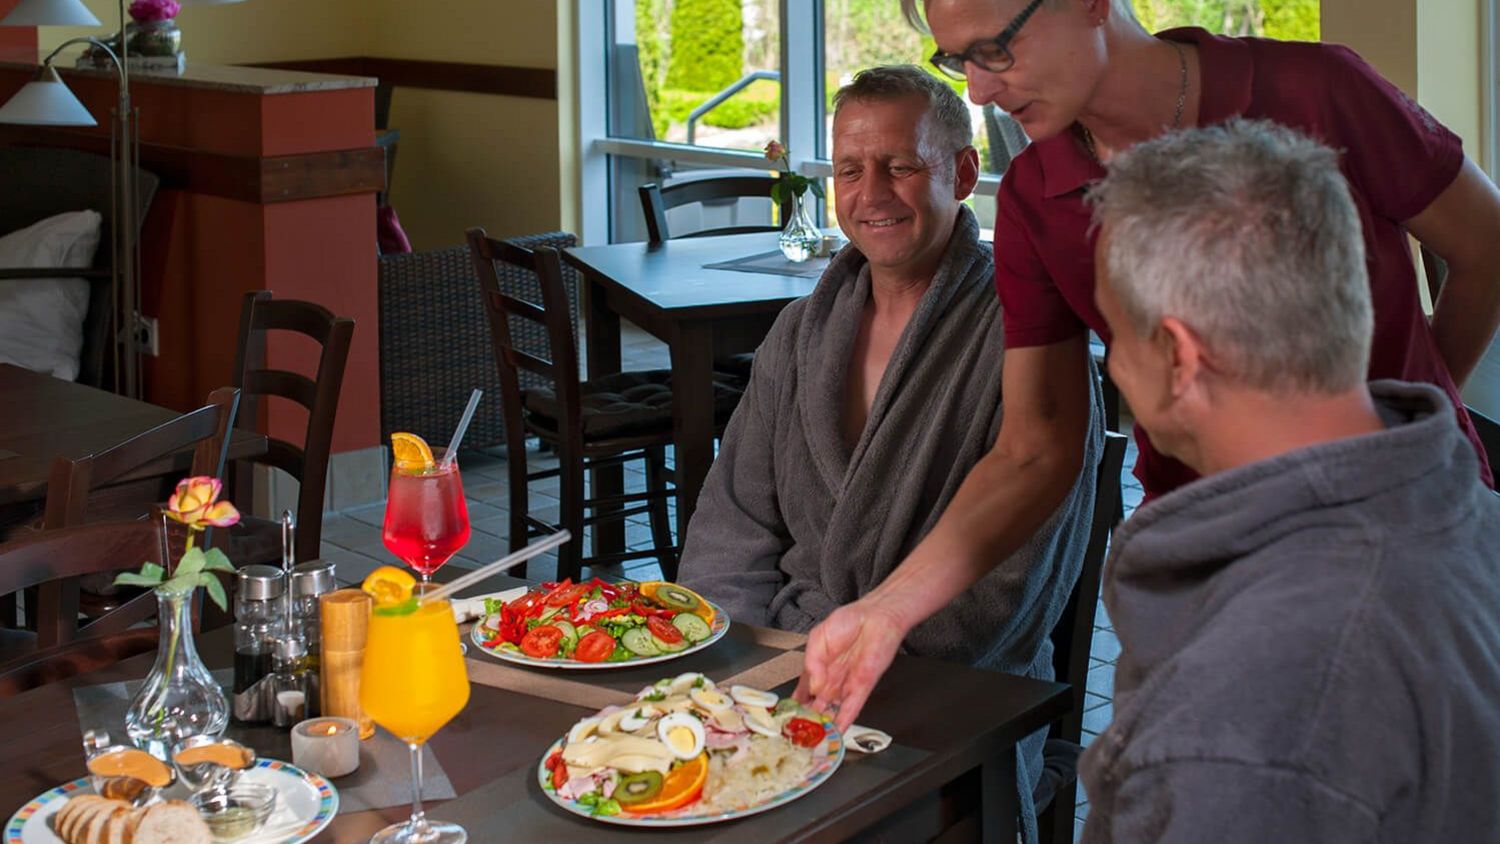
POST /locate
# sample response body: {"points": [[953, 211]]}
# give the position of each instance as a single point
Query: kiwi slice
{"points": [[674, 596], [638, 788]]}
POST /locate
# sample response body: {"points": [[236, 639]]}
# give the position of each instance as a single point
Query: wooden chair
{"points": [[76, 486], [1071, 640], [655, 200], [590, 424], [53, 557], [258, 540]]}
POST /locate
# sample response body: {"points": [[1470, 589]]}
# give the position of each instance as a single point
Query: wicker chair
{"points": [[435, 341]]}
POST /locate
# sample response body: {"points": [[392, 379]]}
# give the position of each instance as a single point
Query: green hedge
{"points": [[757, 103], [708, 45]]}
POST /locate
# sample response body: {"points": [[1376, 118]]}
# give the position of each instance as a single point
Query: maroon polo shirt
{"points": [[1396, 157]]}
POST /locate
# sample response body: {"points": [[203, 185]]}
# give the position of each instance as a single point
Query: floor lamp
{"points": [[46, 101]]}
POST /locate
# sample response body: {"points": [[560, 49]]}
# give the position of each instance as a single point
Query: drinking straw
{"points": [[496, 567], [463, 427]]}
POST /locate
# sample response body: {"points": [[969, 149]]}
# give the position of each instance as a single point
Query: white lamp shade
{"points": [[46, 102], [50, 13]]}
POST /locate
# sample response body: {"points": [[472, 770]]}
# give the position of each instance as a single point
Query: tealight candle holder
{"points": [[327, 746]]}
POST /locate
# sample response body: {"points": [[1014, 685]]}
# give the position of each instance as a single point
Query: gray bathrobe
{"points": [[1311, 648], [794, 521]]}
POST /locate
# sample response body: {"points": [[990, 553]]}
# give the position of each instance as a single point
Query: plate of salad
{"points": [[597, 624], [687, 752]]}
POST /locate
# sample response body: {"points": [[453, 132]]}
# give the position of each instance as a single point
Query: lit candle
{"points": [[327, 746]]}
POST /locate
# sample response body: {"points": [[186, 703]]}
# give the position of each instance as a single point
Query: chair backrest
{"points": [[206, 430], [501, 304], [48, 558], [655, 200], [308, 462], [42, 182], [1074, 633], [1005, 136]]}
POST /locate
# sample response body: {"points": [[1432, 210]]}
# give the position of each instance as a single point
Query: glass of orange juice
{"points": [[412, 683]]}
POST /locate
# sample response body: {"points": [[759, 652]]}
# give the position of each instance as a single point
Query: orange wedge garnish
{"points": [[389, 586], [681, 786], [411, 452]]}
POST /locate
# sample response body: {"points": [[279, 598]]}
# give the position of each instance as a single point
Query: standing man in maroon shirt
{"points": [[1084, 80]]}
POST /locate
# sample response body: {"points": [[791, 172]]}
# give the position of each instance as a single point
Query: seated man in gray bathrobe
{"points": [[1311, 631], [871, 399]]}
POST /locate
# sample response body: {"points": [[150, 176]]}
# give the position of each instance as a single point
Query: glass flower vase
{"points": [[800, 239], [179, 698], [154, 38]]}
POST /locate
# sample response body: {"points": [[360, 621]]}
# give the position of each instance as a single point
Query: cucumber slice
{"points": [[692, 627], [667, 647], [570, 633], [548, 613], [639, 641]]}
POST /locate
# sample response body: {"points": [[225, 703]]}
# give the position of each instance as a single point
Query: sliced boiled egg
{"points": [[611, 722], [583, 729], [690, 680], [637, 717], [710, 699], [747, 696], [760, 721], [682, 734]]}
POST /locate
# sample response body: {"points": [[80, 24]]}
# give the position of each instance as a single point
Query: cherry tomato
{"points": [[595, 647], [541, 642], [804, 733], [663, 630]]}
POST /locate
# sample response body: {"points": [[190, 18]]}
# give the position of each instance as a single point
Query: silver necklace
{"points": [[1182, 86]]}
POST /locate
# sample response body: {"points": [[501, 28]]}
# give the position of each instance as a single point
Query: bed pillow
{"points": [[41, 320]]}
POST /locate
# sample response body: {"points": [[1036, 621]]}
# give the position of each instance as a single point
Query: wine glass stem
{"points": [[418, 817]]}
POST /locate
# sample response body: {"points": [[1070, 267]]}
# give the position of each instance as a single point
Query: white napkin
{"points": [[467, 609], [866, 739]]}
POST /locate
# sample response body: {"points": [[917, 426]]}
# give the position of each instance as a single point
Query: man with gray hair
{"points": [[872, 398], [1310, 632]]}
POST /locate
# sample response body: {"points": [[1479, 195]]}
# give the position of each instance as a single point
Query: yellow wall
{"points": [[464, 159]]}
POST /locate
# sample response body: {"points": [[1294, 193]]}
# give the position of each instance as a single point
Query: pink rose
{"points": [[196, 503], [146, 11], [775, 151]]}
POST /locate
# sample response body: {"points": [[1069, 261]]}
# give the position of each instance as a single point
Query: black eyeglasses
{"points": [[992, 55]]}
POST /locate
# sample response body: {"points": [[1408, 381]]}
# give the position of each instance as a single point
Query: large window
{"points": [[695, 88]]}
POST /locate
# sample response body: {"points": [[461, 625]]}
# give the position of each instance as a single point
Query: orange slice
{"points": [[411, 452], [389, 586], [681, 786]]}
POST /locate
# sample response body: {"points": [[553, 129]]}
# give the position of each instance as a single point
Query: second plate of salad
{"points": [[595, 624]]}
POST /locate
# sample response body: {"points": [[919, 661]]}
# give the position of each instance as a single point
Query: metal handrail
{"points": [[713, 102]]}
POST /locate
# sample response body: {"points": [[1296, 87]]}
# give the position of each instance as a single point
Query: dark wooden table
{"points": [[698, 312], [950, 771], [42, 418]]}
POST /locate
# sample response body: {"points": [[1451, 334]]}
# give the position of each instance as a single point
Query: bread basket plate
{"points": [[305, 803]]}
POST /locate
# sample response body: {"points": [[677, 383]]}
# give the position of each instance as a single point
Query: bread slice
{"points": [[120, 827], [84, 808], [93, 831], [172, 822], [64, 816]]}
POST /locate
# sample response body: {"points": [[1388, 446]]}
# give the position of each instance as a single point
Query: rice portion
{"points": [[765, 769]]}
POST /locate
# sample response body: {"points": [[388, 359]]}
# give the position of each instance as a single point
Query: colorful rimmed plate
{"points": [[305, 803], [717, 629], [823, 768]]}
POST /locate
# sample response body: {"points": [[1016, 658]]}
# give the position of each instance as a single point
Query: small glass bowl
{"points": [[236, 812], [211, 775]]}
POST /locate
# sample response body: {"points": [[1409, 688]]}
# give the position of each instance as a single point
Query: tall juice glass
{"points": [[426, 519], [413, 682]]}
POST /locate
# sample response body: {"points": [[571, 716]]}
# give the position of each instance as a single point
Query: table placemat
{"points": [[382, 780], [773, 263], [751, 656], [515, 805]]}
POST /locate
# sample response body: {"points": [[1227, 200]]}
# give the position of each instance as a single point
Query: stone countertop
{"points": [[230, 78]]}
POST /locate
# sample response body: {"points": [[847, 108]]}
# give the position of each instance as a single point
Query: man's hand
{"points": [[846, 654]]}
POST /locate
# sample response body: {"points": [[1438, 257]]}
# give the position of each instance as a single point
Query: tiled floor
{"points": [[352, 540]]}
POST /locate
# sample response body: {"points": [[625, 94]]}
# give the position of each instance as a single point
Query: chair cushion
{"points": [[41, 320], [626, 403], [735, 366]]}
